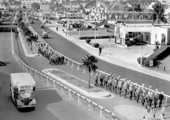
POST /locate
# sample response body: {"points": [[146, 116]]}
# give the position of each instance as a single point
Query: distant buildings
{"points": [[27, 3]]}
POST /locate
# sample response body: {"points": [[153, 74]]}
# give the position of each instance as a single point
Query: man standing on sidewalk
{"points": [[100, 50]]}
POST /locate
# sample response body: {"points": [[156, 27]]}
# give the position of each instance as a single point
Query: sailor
{"points": [[119, 86], [143, 95], [161, 98], [130, 90], [150, 98], [155, 98], [125, 88], [138, 93]]}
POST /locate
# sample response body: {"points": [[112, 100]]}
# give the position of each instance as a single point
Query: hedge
{"points": [[96, 45], [97, 37], [88, 41]]}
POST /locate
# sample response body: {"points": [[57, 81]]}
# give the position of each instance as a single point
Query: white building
{"points": [[27, 3]]}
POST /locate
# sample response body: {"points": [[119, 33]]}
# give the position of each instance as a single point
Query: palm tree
{"points": [[159, 13], [89, 62], [137, 7]]}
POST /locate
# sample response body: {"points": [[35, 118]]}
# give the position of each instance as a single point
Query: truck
{"points": [[23, 90], [44, 34]]}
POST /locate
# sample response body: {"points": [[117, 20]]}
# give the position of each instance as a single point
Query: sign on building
{"points": [[132, 16], [96, 12]]}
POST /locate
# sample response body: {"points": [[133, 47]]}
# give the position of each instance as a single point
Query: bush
{"points": [[139, 60], [96, 45], [88, 41]]}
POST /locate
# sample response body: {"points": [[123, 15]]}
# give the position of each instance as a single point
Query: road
{"points": [[50, 104], [76, 53]]}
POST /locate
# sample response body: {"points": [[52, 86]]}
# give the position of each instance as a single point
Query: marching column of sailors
{"points": [[126, 88], [50, 54]]}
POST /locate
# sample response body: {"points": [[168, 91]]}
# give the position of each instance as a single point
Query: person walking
{"points": [[138, 93], [155, 98], [56, 28], [130, 91], [150, 98], [143, 97], [161, 97], [100, 50], [125, 88], [96, 79]]}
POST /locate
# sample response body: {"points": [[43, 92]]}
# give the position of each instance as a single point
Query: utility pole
{"points": [[95, 22]]}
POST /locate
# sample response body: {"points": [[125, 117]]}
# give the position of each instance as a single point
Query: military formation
{"points": [[123, 87], [45, 50]]}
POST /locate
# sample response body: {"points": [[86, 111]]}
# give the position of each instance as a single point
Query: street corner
{"points": [[131, 112]]}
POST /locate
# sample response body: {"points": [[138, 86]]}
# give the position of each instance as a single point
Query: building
{"points": [[27, 3]]}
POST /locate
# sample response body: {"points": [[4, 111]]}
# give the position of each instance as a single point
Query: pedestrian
{"points": [[120, 86], [116, 84], [155, 99], [109, 83], [150, 98], [161, 97], [135, 90], [101, 80], [125, 88], [113, 85], [56, 28], [143, 97], [130, 91], [100, 50], [96, 79], [138, 93]]}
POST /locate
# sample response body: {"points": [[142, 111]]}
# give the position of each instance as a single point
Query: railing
{"points": [[81, 100], [78, 65]]}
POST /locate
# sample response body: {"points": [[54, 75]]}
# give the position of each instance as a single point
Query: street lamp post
{"points": [[79, 33], [141, 56], [95, 23]]}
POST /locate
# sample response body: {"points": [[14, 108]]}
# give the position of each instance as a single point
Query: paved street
{"points": [[117, 104], [76, 53], [50, 105]]}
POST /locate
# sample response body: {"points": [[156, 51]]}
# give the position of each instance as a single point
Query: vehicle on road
{"points": [[44, 34], [22, 88]]}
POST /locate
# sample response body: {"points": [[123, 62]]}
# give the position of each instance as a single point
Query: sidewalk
{"points": [[109, 55]]}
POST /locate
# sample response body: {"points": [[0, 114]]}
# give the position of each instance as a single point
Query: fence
{"points": [[64, 90]]}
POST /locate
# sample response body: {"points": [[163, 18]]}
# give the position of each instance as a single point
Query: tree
{"points": [[0, 14], [89, 62], [137, 8], [159, 13], [35, 6], [29, 41]]}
